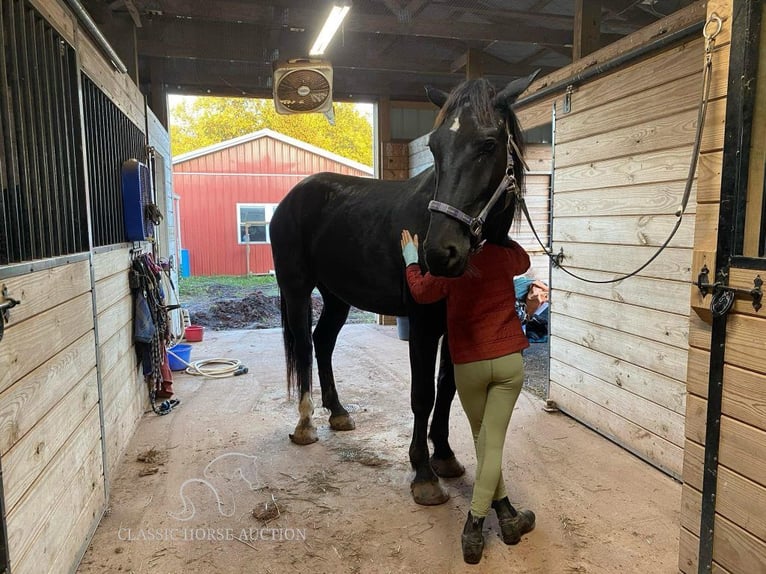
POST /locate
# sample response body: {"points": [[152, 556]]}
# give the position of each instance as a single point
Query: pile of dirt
{"points": [[253, 310]]}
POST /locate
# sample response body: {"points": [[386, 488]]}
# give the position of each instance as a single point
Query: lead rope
{"points": [[716, 21]]}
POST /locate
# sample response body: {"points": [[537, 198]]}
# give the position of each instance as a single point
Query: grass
{"points": [[195, 286]]}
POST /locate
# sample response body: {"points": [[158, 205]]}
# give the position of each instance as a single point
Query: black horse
{"points": [[340, 234]]}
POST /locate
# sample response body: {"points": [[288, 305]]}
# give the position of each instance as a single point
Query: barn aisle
{"points": [[221, 466]]}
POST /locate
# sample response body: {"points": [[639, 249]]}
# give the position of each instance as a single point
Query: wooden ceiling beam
{"points": [[242, 79]]}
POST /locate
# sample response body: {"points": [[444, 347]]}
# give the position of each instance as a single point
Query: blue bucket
{"points": [[182, 352]]}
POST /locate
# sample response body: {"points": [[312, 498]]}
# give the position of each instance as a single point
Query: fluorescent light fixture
{"points": [[331, 26]]}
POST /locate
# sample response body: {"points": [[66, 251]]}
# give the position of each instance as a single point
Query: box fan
{"points": [[302, 86]]}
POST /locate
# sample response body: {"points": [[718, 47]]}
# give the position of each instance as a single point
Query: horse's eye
{"points": [[487, 147]]}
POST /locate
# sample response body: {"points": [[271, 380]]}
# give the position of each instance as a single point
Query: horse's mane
{"points": [[479, 95]]}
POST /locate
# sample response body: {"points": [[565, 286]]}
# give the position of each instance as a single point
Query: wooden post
{"points": [[473, 69], [587, 28]]}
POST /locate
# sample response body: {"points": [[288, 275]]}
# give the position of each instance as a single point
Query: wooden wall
{"points": [[537, 198], [739, 543], [619, 350], [123, 395], [50, 437], [70, 391]]}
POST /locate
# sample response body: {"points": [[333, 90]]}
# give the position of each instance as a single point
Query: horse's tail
{"points": [[291, 357]]}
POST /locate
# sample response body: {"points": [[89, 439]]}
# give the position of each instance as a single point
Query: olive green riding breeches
{"points": [[488, 391]]}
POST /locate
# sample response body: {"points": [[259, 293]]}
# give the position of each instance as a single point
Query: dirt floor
{"points": [[217, 487]]}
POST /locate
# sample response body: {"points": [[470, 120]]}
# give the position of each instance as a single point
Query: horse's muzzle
{"points": [[445, 260]]}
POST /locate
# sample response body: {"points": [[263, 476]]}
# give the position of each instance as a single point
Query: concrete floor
{"points": [[224, 490]]}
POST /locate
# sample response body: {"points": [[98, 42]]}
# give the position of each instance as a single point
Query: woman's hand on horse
{"points": [[409, 247]]}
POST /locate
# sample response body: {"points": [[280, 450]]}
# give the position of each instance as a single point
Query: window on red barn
{"points": [[253, 222]]}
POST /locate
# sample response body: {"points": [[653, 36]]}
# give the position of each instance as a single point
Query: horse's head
{"points": [[476, 144]]}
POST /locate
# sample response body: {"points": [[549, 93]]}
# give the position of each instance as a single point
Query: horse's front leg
{"points": [[443, 461], [426, 488], [331, 321]]}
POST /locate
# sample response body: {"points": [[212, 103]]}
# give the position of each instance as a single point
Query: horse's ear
{"points": [[436, 96], [512, 91]]}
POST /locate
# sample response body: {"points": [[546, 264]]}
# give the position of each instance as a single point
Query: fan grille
{"points": [[303, 90]]}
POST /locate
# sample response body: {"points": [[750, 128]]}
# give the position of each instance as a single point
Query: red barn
{"points": [[229, 190]]}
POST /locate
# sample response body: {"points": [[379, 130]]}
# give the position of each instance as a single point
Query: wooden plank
{"points": [[696, 417], [647, 168], [742, 501], [691, 509], [539, 157], [723, 8], [744, 279], [688, 552], [112, 350], [661, 453], [659, 134], [33, 511], [27, 401], [674, 263], [111, 262], [699, 332], [29, 344], [651, 355], [744, 345], [743, 450], [121, 416], [536, 114], [709, 177], [111, 289], [665, 391], [659, 294], [679, 20], [81, 532], [654, 418], [655, 325], [24, 462], [61, 19], [744, 396], [706, 229], [84, 494], [715, 125], [43, 290], [617, 123], [694, 464], [639, 230], [113, 318], [698, 372], [645, 199], [123, 374], [736, 549]]}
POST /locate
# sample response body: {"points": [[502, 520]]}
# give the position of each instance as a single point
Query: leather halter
{"points": [[507, 185]]}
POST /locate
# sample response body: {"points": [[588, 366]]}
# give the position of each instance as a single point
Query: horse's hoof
{"points": [[304, 435], [429, 493], [447, 467], [342, 422]]}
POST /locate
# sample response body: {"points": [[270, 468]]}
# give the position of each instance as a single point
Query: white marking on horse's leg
{"points": [[306, 407], [455, 124], [305, 431]]}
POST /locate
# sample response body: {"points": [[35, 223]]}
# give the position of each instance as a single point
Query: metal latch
{"points": [[723, 295], [568, 99], [6, 304]]}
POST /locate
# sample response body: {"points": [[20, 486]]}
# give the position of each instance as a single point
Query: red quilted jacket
{"points": [[481, 304]]}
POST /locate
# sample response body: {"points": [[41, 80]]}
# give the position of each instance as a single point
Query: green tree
{"points": [[203, 121]]}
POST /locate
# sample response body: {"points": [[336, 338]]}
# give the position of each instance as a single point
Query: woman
{"points": [[485, 341]]}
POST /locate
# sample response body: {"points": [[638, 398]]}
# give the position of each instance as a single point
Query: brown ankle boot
{"points": [[473, 539], [513, 524]]}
